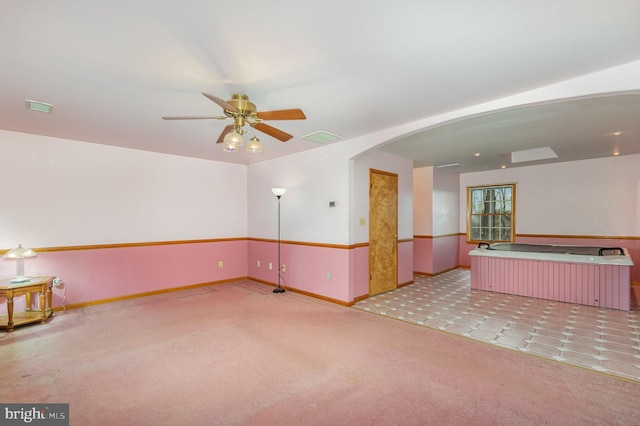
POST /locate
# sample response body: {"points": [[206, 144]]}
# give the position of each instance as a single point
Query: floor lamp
{"points": [[278, 192]]}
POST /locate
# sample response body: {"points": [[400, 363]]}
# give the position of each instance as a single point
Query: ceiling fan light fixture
{"points": [[230, 148], [255, 146], [233, 138]]}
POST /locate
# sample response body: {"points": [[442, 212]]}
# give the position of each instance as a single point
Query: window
{"points": [[490, 213]]}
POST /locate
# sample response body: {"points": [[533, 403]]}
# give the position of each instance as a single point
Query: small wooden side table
{"points": [[10, 290]]}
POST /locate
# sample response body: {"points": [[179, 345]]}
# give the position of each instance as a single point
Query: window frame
{"points": [[470, 213]]}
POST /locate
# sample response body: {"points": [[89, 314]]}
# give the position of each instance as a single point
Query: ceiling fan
{"points": [[242, 112]]}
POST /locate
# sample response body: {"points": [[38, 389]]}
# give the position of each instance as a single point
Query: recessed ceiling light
{"points": [[617, 133], [616, 153], [477, 154], [39, 106], [503, 167]]}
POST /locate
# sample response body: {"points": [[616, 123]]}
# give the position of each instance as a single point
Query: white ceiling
{"points": [[112, 69]]}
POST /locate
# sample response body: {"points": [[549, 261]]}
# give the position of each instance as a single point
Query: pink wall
{"points": [[423, 255], [445, 253], [405, 262], [360, 271], [106, 273], [436, 254], [307, 267], [101, 274]]}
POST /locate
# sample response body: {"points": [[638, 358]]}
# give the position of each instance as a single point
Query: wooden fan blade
{"points": [[283, 114], [224, 104], [272, 131], [198, 117], [226, 130]]}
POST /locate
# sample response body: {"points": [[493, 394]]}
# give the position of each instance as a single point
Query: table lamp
{"points": [[19, 253]]}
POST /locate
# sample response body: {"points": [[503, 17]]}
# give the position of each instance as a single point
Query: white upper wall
{"points": [[388, 163], [423, 201], [599, 197], [315, 178], [436, 201], [446, 204], [59, 192], [312, 179]]}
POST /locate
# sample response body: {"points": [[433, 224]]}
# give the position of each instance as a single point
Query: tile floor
{"points": [[599, 339]]}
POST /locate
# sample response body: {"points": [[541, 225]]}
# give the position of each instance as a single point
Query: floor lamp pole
{"points": [[278, 289]]}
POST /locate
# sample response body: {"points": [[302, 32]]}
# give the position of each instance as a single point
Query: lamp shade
{"points": [[278, 192], [19, 253], [234, 137], [255, 146]]}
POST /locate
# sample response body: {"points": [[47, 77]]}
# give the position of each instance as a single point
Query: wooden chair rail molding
{"points": [[303, 243], [338, 246], [436, 236], [120, 245], [216, 240]]}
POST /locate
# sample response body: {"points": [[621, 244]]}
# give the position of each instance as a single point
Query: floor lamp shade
{"points": [[278, 192]]}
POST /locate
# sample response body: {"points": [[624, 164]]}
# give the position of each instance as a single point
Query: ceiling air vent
{"points": [[321, 137], [39, 106]]}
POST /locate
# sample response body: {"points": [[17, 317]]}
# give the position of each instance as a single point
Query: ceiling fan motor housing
{"points": [[241, 103]]}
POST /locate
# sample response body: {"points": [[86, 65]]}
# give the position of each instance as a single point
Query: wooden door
{"points": [[383, 231]]}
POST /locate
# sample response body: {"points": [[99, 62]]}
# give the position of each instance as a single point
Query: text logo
{"points": [[34, 414]]}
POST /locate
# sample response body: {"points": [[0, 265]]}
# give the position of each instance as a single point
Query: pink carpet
{"points": [[237, 354]]}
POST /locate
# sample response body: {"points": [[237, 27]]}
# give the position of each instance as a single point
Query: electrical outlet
{"points": [[270, 265], [258, 264], [328, 276], [220, 264], [284, 268]]}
